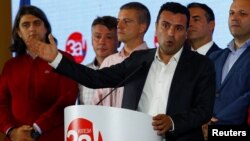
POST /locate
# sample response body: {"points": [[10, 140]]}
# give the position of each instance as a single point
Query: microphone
{"points": [[124, 80]]}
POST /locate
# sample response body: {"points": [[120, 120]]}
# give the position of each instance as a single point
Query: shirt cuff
{"points": [[172, 130], [37, 128], [8, 130], [56, 61]]}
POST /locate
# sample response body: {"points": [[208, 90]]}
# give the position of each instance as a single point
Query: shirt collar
{"points": [[32, 56], [231, 45], [175, 57], [94, 64], [142, 46], [204, 49]]}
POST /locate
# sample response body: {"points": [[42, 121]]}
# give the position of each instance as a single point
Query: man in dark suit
{"points": [[173, 84], [201, 28], [232, 66], [200, 34]]}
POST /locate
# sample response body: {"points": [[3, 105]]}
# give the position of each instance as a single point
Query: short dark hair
{"points": [[208, 11], [175, 8], [108, 21], [18, 45], [144, 14]]}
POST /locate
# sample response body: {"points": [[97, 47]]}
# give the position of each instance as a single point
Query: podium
{"points": [[101, 123]]}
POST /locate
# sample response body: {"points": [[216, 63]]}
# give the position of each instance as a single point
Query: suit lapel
{"points": [[213, 48], [178, 75], [219, 64], [236, 66]]}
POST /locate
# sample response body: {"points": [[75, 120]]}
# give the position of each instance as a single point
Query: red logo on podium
{"points": [[82, 129], [76, 46]]}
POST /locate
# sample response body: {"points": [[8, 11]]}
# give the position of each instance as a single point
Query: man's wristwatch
{"points": [[35, 134]]}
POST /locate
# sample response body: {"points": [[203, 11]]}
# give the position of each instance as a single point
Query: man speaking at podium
{"points": [[174, 85]]}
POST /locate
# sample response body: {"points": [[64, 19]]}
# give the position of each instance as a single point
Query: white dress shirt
{"points": [[204, 49], [155, 93]]}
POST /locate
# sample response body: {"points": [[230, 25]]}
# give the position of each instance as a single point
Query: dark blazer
{"points": [[233, 94], [191, 95], [213, 48]]}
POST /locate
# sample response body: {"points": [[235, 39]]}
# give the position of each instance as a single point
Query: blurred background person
{"points": [[32, 95], [133, 22], [232, 69], [104, 43], [200, 34], [201, 28]]}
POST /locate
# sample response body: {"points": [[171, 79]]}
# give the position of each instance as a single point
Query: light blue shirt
{"points": [[233, 56]]}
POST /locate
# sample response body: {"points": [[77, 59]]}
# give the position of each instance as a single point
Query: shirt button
{"points": [[217, 95]]}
